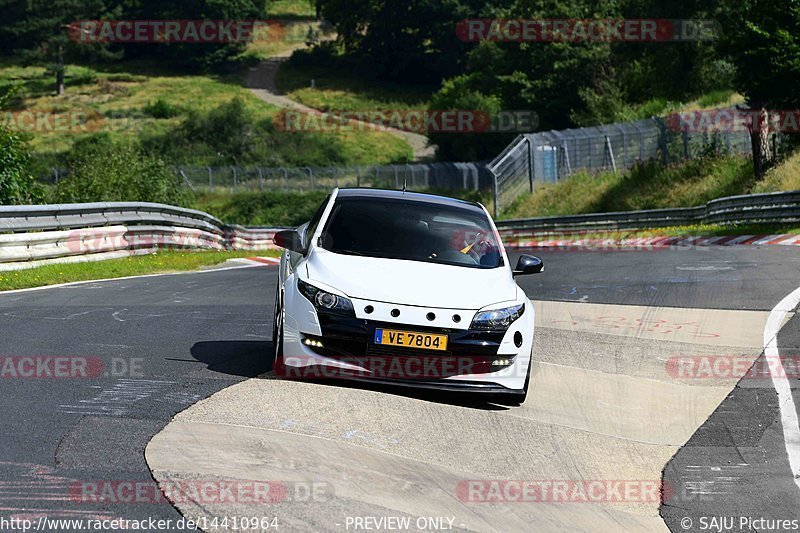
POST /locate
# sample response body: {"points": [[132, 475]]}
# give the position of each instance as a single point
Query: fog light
{"points": [[313, 343], [501, 362], [518, 339]]}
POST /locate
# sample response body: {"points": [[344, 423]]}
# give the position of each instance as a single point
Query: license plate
{"points": [[410, 339]]}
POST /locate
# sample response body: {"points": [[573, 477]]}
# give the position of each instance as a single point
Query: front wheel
{"points": [[277, 337]]}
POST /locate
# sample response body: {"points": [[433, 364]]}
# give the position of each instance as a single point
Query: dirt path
{"points": [[261, 81]]}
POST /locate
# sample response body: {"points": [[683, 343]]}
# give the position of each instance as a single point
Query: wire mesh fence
{"points": [[531, 158], [555, 155], [419, 176]]}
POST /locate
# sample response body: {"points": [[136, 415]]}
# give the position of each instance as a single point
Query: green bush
{"points": [[262, 209], [17, 185], [161, 109], [106, 170], [458, 94], [230, 135]]}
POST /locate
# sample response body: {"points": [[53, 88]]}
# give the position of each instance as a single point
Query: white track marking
{"points": [[789, 419]]}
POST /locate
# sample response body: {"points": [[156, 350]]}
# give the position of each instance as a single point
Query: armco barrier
{"points": [[34, 235]]}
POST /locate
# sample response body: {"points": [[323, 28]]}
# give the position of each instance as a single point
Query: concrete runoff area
{"points": [[591, 416]]}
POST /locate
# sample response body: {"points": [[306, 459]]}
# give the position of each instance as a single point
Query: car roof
{"points": [[410, 196]]}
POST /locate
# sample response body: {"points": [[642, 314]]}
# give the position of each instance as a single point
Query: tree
{"points": [[410, 41], [205, 54], [106, 170], [39, 33], [17, 185], [762, 38]]}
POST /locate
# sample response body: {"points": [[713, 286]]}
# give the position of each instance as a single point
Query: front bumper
{"points": [[478, 361]]}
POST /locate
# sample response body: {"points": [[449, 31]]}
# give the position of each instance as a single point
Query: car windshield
{"points": [[412, 231]]}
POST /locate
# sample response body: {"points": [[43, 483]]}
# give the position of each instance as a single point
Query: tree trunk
{"points": [[60, 73], [759, 139]]}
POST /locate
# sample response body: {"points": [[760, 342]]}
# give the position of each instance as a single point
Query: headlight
{"points": [[497, 319], [324, 300]]}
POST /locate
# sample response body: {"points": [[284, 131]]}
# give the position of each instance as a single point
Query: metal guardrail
{"points": [[76, 232], [768, 208], [68, 232]]}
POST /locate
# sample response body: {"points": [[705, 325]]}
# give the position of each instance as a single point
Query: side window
{"points": [[312, 226]]}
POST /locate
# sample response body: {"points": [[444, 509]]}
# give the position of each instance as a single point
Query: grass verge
{"points": [[159, 263], [335, 89], [123, 100], [648, 186]]}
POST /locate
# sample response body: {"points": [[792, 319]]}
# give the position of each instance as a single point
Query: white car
{"points": [[407, 289]]}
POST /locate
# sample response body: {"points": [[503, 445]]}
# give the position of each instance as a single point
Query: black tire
{"points": [[277, 336]]}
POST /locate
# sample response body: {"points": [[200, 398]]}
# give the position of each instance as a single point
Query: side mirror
{"points": [[290, 240], [528, 264]]}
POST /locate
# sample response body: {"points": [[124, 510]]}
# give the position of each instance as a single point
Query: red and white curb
{"points": [[548, 241], [262, 260]]}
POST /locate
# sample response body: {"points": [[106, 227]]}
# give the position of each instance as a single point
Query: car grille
{"points": [[394, 351]]}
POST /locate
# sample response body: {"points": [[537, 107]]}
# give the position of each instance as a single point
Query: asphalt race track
{"points": [[116, 361]]}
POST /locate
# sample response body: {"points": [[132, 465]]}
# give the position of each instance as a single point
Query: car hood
{"points": [[412, 282]]}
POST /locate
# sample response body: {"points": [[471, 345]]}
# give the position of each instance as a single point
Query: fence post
{"points": [[496, 190], [530, 162], [55, 175], [260, 180], [609, 153], [234, 178], [210, 179], [311, 177], [662, 140]]}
